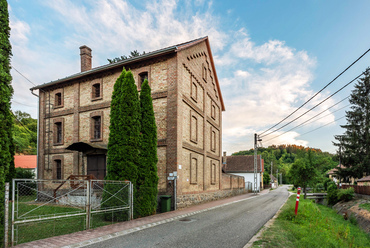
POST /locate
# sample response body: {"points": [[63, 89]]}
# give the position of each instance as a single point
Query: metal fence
{"points": [[47, 208]]}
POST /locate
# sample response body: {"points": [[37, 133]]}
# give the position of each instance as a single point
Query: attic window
{"points": [[142, 77]]}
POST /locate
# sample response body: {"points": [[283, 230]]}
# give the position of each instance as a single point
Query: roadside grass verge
{"points": [[314, 226], [365, 206]]}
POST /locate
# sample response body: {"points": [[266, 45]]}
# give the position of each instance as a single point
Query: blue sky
{"points": [[271, 56]]}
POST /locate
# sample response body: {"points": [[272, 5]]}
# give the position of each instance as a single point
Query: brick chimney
{"points": [[85, 54]]}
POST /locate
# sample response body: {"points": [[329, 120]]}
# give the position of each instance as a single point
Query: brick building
{"points": [[74, 118]]}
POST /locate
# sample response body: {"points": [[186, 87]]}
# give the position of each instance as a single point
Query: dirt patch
{"points": [[352, 209]]}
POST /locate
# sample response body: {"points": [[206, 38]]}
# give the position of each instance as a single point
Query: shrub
{"points": [[346, 194], [332, 196]]}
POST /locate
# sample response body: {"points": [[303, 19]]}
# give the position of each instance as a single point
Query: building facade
{"points": [[74, 118]]}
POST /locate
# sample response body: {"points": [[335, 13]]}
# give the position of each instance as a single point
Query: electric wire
{"points": [[323, 126], [314, 106], [317, 92], [305, 122], [23, 76], [20, 122]]}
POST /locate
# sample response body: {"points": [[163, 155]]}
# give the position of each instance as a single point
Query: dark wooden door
{"points": [[96, 166]]}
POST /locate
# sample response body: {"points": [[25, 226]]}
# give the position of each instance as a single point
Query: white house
{"points": [[243, 165]]}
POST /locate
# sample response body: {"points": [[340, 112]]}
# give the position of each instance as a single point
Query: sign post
{"points": [[297, 201]]}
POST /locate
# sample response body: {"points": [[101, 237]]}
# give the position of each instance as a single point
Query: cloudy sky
{"points": [[271, 56]]}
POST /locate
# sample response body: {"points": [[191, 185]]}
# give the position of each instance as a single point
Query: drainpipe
{"points": [[38, 138]]}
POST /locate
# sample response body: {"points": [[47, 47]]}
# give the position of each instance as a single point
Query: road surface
{"points": [[232, 225]]}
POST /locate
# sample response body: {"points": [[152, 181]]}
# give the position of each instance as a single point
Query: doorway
{"points": [[96, 166]]}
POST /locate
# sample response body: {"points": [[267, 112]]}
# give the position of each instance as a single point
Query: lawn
{"points": [[314, 226]]}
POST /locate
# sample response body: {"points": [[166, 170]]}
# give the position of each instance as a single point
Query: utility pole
{"points": [[256, 139], [277, 177], [271, 174]]}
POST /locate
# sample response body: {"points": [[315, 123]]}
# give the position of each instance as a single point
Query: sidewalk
{"points": [[82, 238]]}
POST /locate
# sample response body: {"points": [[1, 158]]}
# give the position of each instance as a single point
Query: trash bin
{"points": [[165, 203]]}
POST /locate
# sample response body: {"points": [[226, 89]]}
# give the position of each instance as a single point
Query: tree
{"points": [[124, 138], [6, 91], [355, 142], [266, 177], [147, 183], [303, 171]]}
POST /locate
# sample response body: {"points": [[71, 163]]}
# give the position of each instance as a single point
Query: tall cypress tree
{"points": [[124, 139], [6, 91], [147, 183], [355, 142]]}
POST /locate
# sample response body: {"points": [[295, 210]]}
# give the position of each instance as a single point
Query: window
{"points": [[142, 77], [97, 127], [58, 98], [96, 91], [58, 168], [59, 132]]}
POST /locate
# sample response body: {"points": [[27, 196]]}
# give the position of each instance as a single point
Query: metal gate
{"points": [[47, 208]]}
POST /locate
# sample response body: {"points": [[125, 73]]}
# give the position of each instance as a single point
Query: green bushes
{"points": [[346, 194], [332, 195], [335, 195]]}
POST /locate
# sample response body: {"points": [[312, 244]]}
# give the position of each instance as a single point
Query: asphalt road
{"points": [[228, 226]]}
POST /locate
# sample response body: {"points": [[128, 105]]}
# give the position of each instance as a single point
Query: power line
{"points": [[23, 76], [20, 122], [315, 105], [317, 92], [305, 122], [323, 125], [24, 104]]}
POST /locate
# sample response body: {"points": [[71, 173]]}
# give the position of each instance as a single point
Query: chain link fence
{"points": [[47, 208]]}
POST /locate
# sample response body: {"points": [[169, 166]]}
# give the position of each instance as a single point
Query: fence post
{"points": [[13, 210], [6, 216], [297, 201], [88, 205], [132, 202]]}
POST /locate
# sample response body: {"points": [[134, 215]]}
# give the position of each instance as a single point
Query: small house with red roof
{"points": [[28, 162]]}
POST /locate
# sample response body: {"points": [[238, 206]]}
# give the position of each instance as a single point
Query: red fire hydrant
{"points": [[297, 201]]}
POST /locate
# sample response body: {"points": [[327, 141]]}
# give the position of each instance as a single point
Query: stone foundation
{"points": [[184, 201]]}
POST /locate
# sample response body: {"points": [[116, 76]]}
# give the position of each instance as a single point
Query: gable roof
{"points": [[334, 170], [25, 161], [364, 179], [120, 64], [242, 164]]}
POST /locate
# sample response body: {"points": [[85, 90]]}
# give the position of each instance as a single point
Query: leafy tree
{"points": [[266, 178], [355, 142], [124, 137], [303, 171], [332, 195], [147, 183], [6, 91]]}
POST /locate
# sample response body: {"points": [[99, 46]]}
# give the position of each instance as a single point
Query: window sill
{"points": [[96, 99], [96, 140], [59, 106]]}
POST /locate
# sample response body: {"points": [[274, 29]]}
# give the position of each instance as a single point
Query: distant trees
{"points": [[134, 53], [24, 133], [6, 121], [355, 142]]}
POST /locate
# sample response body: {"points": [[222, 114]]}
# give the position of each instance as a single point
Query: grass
{"points": [[26, 232], [365, 206], [314, 226]]}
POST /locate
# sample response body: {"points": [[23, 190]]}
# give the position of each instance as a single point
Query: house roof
{"points": [[25, 161], [120, 64], [364, 179], [242, 163], [334, 170]]}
